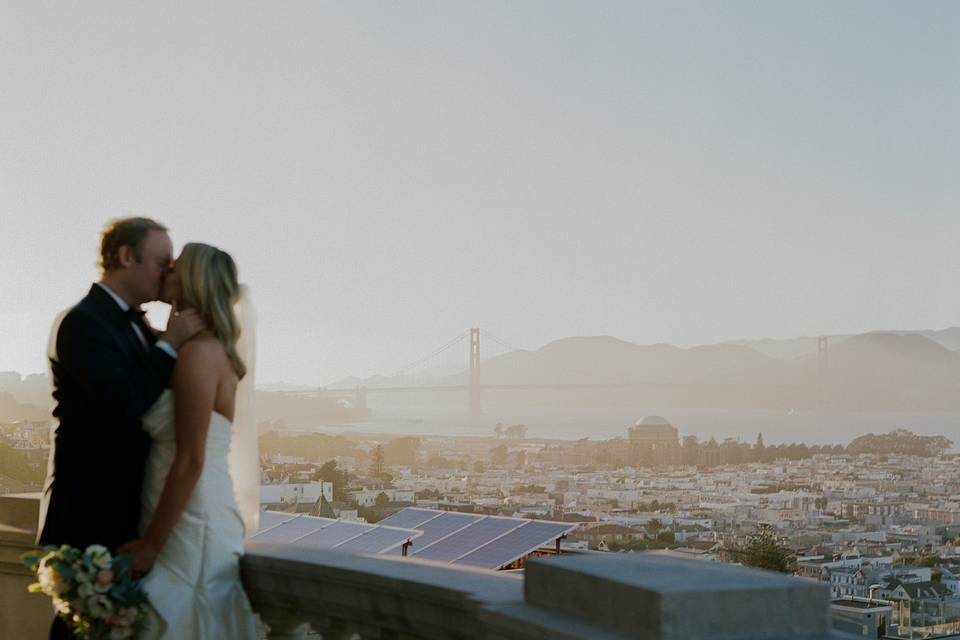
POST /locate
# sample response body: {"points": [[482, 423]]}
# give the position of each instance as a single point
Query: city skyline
{"points": [[387, 177]]}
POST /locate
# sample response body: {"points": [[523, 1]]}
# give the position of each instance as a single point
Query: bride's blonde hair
{"points": [[208, 283]]}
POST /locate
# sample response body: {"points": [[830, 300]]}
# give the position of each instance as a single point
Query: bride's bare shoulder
{"points": [[203, 350]]}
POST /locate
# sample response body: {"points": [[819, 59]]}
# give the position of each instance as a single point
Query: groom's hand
{"points": [[143, 554], [182, 326]]}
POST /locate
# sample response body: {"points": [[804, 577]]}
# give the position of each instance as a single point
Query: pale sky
{"points": [[390, 174]]}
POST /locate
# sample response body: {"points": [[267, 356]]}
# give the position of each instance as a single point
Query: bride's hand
{"points": [[143, 554], [182, 326]]}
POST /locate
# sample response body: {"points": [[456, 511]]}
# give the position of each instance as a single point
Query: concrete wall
{"points": [[23, 615]]}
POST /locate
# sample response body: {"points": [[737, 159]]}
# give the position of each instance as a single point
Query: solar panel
{"points": [[337, 533], [292, 529], [378, 540], [442, 526], [410, 517], [466, 540], [269, 519], [444, 536], [515, 545]]}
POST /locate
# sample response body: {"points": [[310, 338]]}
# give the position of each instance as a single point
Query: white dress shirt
{"points": [[163, 344]]}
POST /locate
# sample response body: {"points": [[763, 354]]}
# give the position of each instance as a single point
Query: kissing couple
{"points": [[155, 453]]}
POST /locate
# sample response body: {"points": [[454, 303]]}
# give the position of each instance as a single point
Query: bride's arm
{"points": [[194, 385]]}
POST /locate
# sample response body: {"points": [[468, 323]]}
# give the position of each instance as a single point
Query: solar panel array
{"points": [[490, 542], [483, 541], [325, 533]]}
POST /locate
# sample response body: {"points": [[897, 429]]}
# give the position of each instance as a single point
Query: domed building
{"points": [[653, 440]]}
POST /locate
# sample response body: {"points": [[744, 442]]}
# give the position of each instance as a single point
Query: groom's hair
{"points": [[124, 231]]}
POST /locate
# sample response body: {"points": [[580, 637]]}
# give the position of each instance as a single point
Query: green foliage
{"points": [[900, 441], [528, 488], [370, 515], [654, 526], [382, 500], [329, 472], [656, 506], [428, 494], [763, 551], [516, 431], [377, 467], [313, 446], [401, 451], [498, 456]]}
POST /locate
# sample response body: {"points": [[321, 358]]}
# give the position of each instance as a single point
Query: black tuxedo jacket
{"points": [[104, 380]]}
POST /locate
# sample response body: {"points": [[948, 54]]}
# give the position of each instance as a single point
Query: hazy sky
{"points": [[389, 174]]}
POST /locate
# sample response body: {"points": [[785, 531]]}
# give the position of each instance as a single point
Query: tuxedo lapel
{"points": [[119, 321]]}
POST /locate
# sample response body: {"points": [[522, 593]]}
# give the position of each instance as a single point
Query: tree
{"points": [[436, 461], [520, 458], [516, 431], [690, 451], [763, 551], [498, 429], [759, 444], [376, 462], [900, 441], [498, 456], [654, 526], [401, 451], [340, 479], [479, 467], [382, 500]]}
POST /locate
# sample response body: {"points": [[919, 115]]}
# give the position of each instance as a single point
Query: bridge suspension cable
{"points": [[422, 361], [500, 341]]}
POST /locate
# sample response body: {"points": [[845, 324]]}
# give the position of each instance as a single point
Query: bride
{"points": [[199, 490]]}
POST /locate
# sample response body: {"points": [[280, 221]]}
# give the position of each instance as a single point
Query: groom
{"points": [[108, 368]]}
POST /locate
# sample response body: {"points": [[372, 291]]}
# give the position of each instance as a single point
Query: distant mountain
{"points": [[33, 389], [790, 348], [948, 338], [880, 370], [604, 359], [787, 348], [904, 370]]}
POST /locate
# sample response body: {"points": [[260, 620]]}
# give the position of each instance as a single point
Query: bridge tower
{"points": [[823, 353], [475, 393], [360, 397]]}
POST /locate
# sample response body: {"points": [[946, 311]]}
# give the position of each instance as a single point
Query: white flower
{"points": [[100, 556], [51, 582], [103, 580], [62, 606]]}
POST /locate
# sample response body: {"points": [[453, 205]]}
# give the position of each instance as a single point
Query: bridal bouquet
{"points": [[91, 590]]}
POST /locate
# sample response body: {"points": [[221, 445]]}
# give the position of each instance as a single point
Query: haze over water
{"points": [[778, 427]]}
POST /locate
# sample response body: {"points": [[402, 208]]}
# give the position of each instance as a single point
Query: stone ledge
{"points": [[20, 510], [333, 589], [657, 598]]}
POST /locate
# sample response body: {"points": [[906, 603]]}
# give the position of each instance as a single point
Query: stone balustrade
{"points": [[300, 592]]}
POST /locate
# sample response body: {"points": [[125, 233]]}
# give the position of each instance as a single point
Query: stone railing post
{"points": [[23, 615]]}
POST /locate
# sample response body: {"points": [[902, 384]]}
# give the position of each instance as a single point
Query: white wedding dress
{"points": [[194, 588]]}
